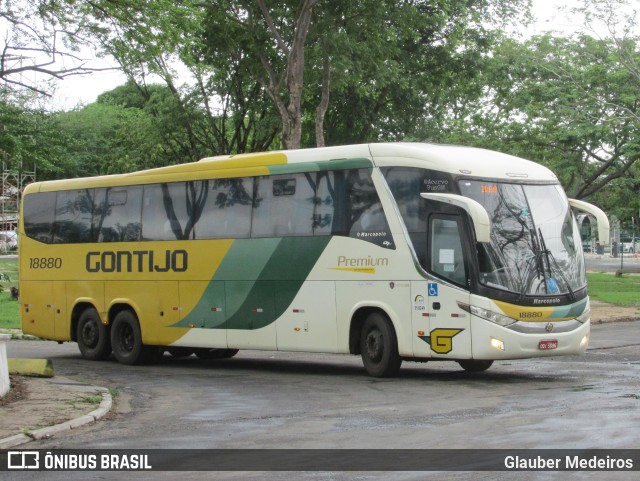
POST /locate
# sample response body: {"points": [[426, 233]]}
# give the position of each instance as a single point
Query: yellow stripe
{"points": [[528, 314], [214, 168], [359, 270]]}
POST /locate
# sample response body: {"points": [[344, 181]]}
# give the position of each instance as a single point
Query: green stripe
{"points": [[322, 166], [572, 310], [256, 282]]}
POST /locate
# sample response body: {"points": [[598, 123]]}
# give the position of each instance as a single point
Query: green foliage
{"points": [[108, 139], [414, 63], [570, 103], [29, 137], [390, 63], [413, 70]]}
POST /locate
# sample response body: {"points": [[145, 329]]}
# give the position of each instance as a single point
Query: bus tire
{"points": [[205, 353], [93, 336], [126, 339], [379, 347], [475, 365]]}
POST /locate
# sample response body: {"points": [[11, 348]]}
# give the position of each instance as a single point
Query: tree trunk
{"points": [[324, 102], [291, 115]]}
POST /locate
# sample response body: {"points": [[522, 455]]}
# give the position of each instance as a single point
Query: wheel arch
{"points": [[118, 306], [79, 307], [357, 322]]}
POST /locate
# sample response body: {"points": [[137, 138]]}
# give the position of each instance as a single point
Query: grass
{"points": [[620, 291], [9, 308]]}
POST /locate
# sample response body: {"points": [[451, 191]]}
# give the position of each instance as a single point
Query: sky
{"points": [[82, 90]]}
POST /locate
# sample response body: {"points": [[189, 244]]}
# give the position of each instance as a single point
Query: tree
{"points": [[152, 39], [569, 103], [366, 54], [41, 40]]}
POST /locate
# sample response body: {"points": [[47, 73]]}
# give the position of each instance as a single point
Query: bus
{"points": [[391, 251]]}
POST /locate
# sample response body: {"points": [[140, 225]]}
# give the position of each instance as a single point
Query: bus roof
{"points": [[446, 158], [456, 160]]}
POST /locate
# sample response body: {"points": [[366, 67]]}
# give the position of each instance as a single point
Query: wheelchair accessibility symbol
{"points": [[433, 289]]}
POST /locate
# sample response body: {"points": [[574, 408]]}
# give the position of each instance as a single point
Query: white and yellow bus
{"points": [[398, 251]]}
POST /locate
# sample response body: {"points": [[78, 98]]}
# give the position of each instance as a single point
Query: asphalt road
{"points": [[300, 400], [606, 263]]}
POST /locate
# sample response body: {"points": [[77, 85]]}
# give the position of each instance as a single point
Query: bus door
{"points": [[448, 265]]}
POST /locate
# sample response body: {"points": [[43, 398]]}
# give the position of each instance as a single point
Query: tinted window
{"points": [[283, 206], [347, 204], [446, 254], [342, 202], [227, 209], [117, 214], [38, 215], [73, 216], [406, 185], [171, 210]]}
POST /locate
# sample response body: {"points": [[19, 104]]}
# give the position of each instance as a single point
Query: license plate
{"points": [[548, 344]]}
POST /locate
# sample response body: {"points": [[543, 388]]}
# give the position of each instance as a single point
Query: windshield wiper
{"points": [[538, 250], [550, 257], [525, 286]]}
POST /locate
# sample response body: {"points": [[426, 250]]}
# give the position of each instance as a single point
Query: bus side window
{"points": [[73, 216], [405, 184], [323, 204], [347, 204], [117, 215], [283, 206], [227, 211], [38, 215], [171, 211], [446, 254]]}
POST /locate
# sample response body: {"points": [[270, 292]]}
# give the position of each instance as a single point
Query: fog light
{"points": [[585, 342], [497, 344]]}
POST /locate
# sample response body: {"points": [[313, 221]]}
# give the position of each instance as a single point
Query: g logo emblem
{"points": [[441, 340]]}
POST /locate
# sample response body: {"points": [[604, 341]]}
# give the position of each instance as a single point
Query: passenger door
{"points": [[448, 263]]}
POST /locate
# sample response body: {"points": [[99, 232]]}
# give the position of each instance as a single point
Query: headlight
{"points": [[491, 316]]}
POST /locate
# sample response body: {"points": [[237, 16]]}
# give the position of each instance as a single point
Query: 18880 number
{"points": [[45, 262]]}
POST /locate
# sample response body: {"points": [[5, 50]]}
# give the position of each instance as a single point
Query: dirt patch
{"points": [[34, 403], [602, 312], [16, 391]]}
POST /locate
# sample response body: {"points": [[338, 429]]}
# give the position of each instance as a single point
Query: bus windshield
{"points": [[535, 247]]}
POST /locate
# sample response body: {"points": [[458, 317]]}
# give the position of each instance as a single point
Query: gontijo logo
{"points": [[137, 261]]}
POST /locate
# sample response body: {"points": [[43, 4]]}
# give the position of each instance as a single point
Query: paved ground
{"points": [[36, 404]]}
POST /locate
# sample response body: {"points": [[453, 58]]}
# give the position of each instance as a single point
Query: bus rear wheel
{"points": [[93, 336], [126, 340], [379, 347], [475, 365]]}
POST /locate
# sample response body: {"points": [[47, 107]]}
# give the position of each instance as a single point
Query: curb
{"points": [[48, 432], [31, 367]]}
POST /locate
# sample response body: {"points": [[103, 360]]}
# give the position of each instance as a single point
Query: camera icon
{"points": [[23, 460]]}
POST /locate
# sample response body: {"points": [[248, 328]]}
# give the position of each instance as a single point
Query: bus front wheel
{"points": [[93, 336], [126, 340], [378, 347], [475, 365]]}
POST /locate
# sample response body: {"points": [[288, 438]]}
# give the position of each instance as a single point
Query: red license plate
{"points": [[548, 344]]}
